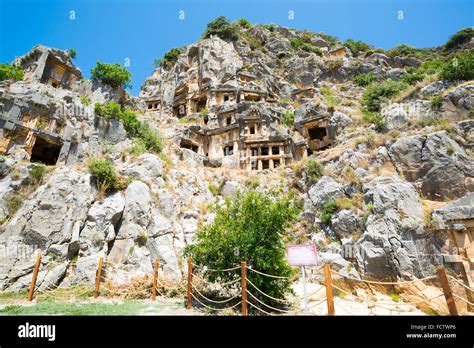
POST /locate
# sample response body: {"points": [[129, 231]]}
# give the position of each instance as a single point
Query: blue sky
{"points": [[142, 30]]}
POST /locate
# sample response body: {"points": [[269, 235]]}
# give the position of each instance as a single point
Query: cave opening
{"points": [[45, 152]]}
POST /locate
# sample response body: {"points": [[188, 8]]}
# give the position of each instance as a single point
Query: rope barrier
{"points": [[275, 309], [386, 283], [315, 292], [261, 310], [317, 304], [267, 275], [348, 293], [214, 301], [460, 283], [215, 309], [260, 291], [223, 284], [205, 269], [463, 299]]}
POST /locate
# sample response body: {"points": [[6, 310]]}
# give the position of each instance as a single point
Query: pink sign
{"points": [[302, 255]]}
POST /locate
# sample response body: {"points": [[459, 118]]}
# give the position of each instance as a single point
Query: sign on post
{"points": [[301, 256]]}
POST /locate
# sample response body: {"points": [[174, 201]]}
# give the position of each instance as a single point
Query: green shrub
{"points": [[461, 37], [436, 102], [10, 72], [37, 173], [328, 97], [271, 27], [329, 209], [305, 46], [403, 50], [244, 23], [413, 77], [216, 190], [431, 67], [103, 171], [221, 27], [170, 58], [252, 228], [364, 79], [113, 75], [357, 47], [461, 67], [330, 39], [2, 159], [13, 203], [288, 118], [312, 169], [84, 100], [151, 139], [72, 53], [378, 93]]}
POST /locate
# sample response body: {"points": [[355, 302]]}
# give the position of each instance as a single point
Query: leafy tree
{"points": [[113, 75], [461, 67], [364, 79], [221, 27], [10, 72], [357, 47], [378, 93], [170, 58], [250, 228], [461, 37], [72, 53]]}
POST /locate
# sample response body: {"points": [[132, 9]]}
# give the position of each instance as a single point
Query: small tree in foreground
{"points": [[251, 228]]}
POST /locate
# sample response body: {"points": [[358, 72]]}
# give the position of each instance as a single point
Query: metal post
{"points": [[303, 275]]}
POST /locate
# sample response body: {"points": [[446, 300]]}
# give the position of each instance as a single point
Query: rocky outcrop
{"points": [[393, 243]]}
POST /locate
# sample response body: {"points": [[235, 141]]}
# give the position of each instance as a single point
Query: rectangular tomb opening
{"points": [[45, 152]]}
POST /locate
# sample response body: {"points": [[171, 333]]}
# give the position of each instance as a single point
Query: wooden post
{"points": [[155, 280], [97, 278], [329, 297], [33, 280], [448, 295], [190, 285], [244, 288]]}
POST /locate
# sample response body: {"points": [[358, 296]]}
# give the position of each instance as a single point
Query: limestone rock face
{"points": [[436, 164], [52, 216], [393, 242], [395, 117], [218, 60], [324, 190]]}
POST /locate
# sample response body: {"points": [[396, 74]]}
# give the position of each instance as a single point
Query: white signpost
{"points": [[301, 256]]}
